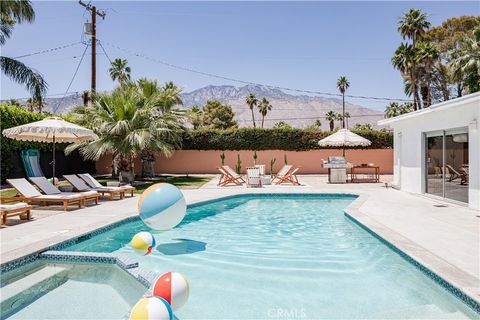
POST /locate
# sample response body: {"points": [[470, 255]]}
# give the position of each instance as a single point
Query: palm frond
{"points": [[20, 73]]}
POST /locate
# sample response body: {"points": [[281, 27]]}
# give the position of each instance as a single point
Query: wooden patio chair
{"points": [[282, 172], [289, 177], [17, 209], [29, 194], [253, 177], [229, 176], [80, 185], [49, 189], [93, 183]]}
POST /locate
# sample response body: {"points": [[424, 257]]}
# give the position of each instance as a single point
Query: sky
{"points": [[301, 45]]}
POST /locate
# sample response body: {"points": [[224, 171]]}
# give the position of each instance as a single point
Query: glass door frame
{"points": [[438, 133]]}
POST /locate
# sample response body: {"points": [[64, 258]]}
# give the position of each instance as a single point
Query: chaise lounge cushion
{"points": [[7, 207]]}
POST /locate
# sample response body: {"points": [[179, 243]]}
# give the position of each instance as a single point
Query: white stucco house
{"points": [[437, 150]]}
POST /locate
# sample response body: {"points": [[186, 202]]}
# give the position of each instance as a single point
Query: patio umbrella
{"points": [[344, 138], [52, 130]]}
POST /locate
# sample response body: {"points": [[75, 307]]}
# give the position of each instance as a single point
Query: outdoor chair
{"points": [[49, 189], [282, 172], [93, 183], [289, 177], [29, 194], [253, 177], [229, 176], [261, 167], [17, 209], [80, 185], [454, 174]]}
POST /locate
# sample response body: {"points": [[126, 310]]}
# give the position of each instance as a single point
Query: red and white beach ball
{"points": [[151, 308], [173, 287]]}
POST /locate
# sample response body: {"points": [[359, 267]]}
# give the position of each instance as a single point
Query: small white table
{"points": [[265, 180]]}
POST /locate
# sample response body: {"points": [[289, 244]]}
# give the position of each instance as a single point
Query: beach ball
{"points": [[162, 206], [151, 308], [53, 181], [173, 287], [143, 243]]}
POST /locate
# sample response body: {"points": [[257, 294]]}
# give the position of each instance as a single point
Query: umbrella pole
{"points": [[343, 151], [53, 161]]}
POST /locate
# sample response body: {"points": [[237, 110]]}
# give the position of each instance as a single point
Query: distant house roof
{"points": [[434, 108]]}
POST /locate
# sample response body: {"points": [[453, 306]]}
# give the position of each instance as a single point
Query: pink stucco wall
{"points": [[206, 161]]}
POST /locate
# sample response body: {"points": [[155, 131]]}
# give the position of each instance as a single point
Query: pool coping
{"points": [[453, 279], [450, 277]]}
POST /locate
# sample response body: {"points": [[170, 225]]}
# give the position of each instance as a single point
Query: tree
{"points": [[331, 116], [426, 56], [252, 102], [413, 26], [282, 125], [195, 115], [467, 61], [128, 124], [218, 116], [342, 85], [346, 117], [446, 38], [404, 61], [394, 109], [11, 13], [263, 108], [365, 126], [119, 70]]}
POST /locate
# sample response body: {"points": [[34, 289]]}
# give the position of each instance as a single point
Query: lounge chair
{"points": [[18, 209], [229, 176], [93, 183], [282, 172], [49, 189], [289, 177], [253, 177], [80, 185], [29, 194], [454, 174]]}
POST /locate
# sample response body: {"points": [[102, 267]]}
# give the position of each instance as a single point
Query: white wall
{"points": [[408, 134]]}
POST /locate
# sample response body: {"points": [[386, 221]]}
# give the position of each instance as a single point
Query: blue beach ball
{"points": [[162, 206]]}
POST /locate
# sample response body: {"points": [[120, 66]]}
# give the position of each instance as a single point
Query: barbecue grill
{"points": [[337, 169]]}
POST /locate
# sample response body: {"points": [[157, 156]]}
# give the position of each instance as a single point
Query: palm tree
{"points": [[331, 116], [318, 124], [466, 61], [263, 108], [11, 13], [403, 60], [86, 97], [392, 110], [128, 125], [342, 85], [426, 56], [346, 117], [412, 26], [252, 102], [120, 71]]}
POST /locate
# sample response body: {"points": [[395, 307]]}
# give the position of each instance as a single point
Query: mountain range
{"points": [[296, 110]]}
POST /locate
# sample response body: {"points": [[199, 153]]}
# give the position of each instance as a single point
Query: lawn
{"points": [[183, 182]]}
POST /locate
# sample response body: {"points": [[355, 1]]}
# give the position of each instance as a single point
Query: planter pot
{"points": [[127, 176]]}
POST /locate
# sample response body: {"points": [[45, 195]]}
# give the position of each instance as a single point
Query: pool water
{"points": [[284, 256], [68, 291]]}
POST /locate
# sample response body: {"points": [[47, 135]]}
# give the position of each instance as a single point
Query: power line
{"points": [[71, 81], [105, 52], [48, 50], [243, 81], [312, 118]]}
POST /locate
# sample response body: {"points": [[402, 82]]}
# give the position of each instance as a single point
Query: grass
{"points": [[183, 182]]}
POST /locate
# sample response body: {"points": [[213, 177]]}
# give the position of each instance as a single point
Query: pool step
{"points": [[428, 311], [24, 290]]}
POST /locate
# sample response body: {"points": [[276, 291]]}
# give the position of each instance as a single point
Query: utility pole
{"points": [[93, 11]]}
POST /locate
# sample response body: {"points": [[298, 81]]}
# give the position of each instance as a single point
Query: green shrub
{"points": [[12, 116], [272, 139]]}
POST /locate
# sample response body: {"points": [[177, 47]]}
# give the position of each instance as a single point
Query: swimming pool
{"points": [[46, 290], [284, 256]]}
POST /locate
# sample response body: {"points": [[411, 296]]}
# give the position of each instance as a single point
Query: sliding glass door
{"points": [[446, 165]]}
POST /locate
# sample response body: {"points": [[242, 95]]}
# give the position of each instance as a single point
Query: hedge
{"points": [[272, 139], [12, 116]]}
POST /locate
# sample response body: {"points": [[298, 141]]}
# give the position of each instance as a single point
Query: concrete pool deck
{"points": [[441, 236]]}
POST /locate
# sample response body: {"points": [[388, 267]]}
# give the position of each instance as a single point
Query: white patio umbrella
{"points": [[344, 138], [51, 130]]}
